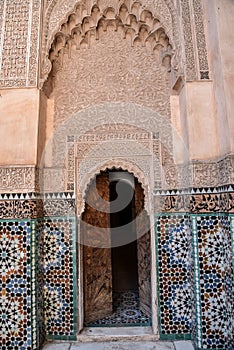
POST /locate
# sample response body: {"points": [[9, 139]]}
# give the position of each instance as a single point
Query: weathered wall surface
{"points": [[19, 109], [219, 36], [225, 19]]}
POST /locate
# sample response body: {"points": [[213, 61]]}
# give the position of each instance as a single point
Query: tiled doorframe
{"points": [[80, 292]]}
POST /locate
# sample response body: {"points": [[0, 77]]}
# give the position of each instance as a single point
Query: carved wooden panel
{"points": [[144, 271], [97, 252], [143, 250]]}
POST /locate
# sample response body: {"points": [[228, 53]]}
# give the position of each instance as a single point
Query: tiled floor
{"points": [[126, 312]]}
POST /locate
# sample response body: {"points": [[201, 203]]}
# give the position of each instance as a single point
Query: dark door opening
{"points": [[116, 276], [124, 256]]}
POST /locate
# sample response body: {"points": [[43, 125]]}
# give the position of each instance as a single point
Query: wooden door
{"points": [[143, 251], [97, 253]]}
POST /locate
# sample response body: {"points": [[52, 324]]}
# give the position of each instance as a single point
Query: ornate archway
{"points": [[55, 21], [97, 250]]}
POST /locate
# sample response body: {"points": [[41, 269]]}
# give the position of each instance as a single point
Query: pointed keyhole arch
{"points": [[124, 265]]}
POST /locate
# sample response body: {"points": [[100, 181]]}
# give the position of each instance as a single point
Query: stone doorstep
{"points": [[120, 345], [118, 338]]}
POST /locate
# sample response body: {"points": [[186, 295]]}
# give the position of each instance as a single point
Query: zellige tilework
{"points": [[17, 288], [59, 266], [175, 274], [214, 283], [126, 311]]}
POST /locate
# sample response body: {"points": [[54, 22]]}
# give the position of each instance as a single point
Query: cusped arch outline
{"points": [[54, 18], [114, 164]]}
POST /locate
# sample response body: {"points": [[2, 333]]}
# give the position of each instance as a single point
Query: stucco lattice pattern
{"points": [[175, 274], [55, 251], [17, 288], [215, 285]]}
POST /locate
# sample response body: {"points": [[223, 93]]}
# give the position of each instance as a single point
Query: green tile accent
{"points": [[74, 238], [33, 287], [198, 339], [174, 337], [232, 238]]}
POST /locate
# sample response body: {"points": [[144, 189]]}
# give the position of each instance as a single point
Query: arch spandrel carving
{"points": [[164, 10], [117, 164]]}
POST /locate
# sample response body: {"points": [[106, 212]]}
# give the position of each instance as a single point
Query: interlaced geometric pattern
{"points": [[216, 282], [175, 269], [126, 311], [40, 282], [16, 292], [55, 256]]}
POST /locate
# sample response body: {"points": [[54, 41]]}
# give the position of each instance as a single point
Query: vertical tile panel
{"points": [[197, 327], [215, 284], [33, 286], [175, 275], [59, 286], [40, 282], [16, 304], [229, 280]]}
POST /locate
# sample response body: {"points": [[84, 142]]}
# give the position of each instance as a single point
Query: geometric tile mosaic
{"points": [[214, 281], [57, 265], [175, 274], [40, 283], [195, 277], [126, 311], [17, 286]]}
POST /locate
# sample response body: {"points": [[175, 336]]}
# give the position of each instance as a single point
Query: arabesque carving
{"points": [[84, 25], [18, 179], [19, 42], [201, 40], [117, 164], [194, 40], [108, 142]]}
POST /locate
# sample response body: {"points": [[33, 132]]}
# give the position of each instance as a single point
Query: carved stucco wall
{"points": [[110, 71], [164, 10], [116, 60], [19, 42], [183, 21], [20, 32], [19, 63]]}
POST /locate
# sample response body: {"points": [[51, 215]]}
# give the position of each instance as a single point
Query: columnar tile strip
{"points": [[215, 279], [174, 270], [198, 339], [40, 283], [16, 327], [232, 237], [59, 287], [74, 243], [33, 285], [228, 280]]}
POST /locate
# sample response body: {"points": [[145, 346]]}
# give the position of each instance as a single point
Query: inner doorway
{"points": [[116, 253], [123, 232]]}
